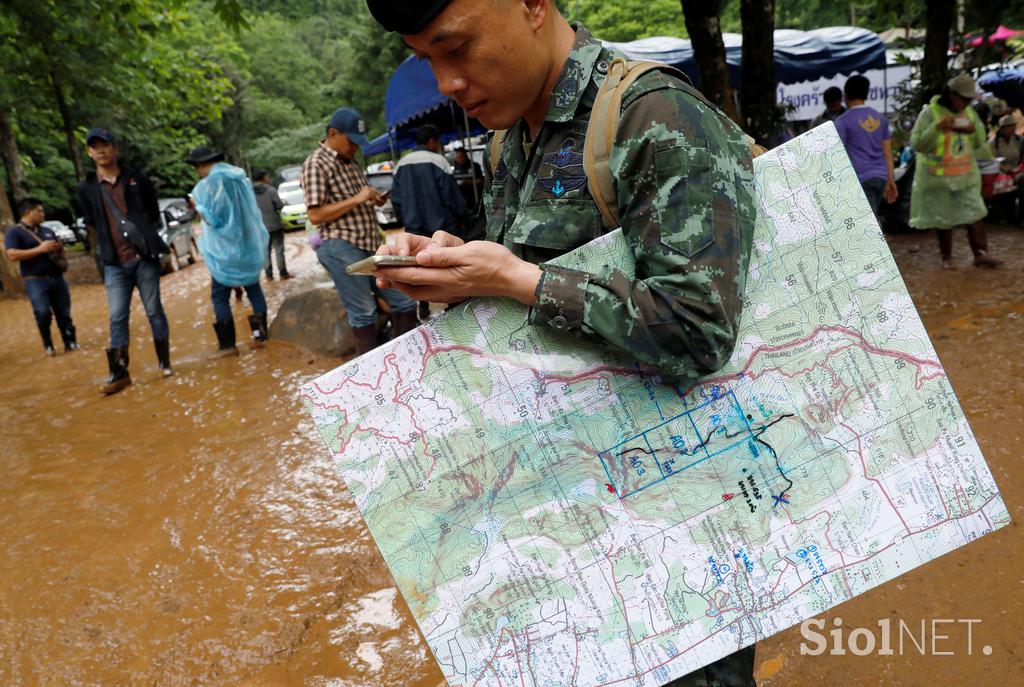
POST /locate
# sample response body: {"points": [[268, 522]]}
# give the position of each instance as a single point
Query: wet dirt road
{"points": [[191, 531]]}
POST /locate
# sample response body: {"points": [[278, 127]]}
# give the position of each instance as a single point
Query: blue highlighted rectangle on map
{"points": [[718, 424]]}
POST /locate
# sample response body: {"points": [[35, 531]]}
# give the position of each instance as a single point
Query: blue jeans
{"points": [[120, 280], [50, 298], [221, 297], [357, 292]]}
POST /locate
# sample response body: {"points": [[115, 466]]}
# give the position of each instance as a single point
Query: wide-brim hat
{"points": [[1007, 120], [964, 86], [201, 154]]}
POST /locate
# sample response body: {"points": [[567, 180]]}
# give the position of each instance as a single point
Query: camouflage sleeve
{"points": [[686, 202]]}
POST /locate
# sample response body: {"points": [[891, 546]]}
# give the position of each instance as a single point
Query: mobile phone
{"points": [[368, 266]]}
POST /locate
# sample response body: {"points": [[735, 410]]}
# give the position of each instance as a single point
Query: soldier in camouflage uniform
{"points": [[684, 184]]}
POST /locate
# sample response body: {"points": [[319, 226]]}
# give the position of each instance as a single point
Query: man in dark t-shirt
{"points": [[31, 245]]}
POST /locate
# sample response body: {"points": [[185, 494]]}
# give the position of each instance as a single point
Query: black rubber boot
{"points": [[258, 325], [225, 338], [70, 342], [44, 334], [117, 360], [163, 356], [365, 338], [402, 322]]}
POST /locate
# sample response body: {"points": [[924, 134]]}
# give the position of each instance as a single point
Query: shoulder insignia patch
{"points": [[565, 157]]}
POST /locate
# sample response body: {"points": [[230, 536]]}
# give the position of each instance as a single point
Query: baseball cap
{"points": [[345, 120], [963, 86], [101, 134]]}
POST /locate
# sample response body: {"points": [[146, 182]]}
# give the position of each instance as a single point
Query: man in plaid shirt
{"points": [[340, 203]]}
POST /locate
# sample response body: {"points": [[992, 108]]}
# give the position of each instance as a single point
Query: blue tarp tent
{"points": [[1007, 84], [799, 55], [412, 100]]}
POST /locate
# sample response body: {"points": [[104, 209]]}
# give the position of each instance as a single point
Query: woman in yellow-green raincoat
{"points": [[949, 139]]}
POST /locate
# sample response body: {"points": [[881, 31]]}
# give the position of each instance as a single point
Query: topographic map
{"points": [[556, 515]]}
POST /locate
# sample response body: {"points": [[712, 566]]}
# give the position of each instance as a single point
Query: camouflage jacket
{"points": [[686, 201]]}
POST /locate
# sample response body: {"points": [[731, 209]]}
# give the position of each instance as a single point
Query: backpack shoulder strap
{"points": [[604, 123], [497, 142], [600, 137]]}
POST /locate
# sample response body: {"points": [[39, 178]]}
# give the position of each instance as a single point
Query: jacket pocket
{"points": [[682, 203]]}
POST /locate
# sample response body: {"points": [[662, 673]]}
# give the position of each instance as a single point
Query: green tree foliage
{"points": [[626, 21], [259, 78]]}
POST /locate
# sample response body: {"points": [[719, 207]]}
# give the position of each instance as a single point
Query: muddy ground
{"points": [[191, 530]]}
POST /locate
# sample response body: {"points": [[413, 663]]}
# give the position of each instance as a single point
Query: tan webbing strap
{"points": [[601, 130], [597, 145], [496, 144]]}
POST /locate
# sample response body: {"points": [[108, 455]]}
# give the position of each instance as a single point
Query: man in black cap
{"points": [[121, 206], [682, 178], [340, 203]]}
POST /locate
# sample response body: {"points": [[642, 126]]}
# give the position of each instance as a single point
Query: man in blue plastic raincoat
{"points": [[233, 242]]}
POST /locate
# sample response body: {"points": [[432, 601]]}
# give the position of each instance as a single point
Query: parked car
{"points": [[381, 178], [78, 226], [289, 173], [176, 220], [61, 231], [293, 214]]}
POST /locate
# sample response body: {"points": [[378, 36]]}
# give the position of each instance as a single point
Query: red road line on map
{"points": [[864, 467], [842, 559], [497, 647], [389, 358], [433, 350], [625, 615], [576, 661], [860, 342]]}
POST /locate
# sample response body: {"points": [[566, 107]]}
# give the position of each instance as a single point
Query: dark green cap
{"points": [[407, 17]]}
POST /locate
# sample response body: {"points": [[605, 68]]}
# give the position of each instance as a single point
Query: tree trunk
{"points": [[74, 152], [12, 161], [757, 72], [9, 274], [704, 27], [939, 16]]}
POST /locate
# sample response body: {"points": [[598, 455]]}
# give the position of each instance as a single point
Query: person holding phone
{"points": [[340, 203], [32, 246]]}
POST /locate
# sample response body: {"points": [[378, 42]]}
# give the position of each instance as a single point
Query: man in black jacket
{"points": [[270, 205], [121, 206], [425, 195]]}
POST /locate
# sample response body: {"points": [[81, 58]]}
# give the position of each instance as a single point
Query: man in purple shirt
{"points": [[865, 133]]}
